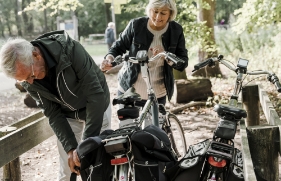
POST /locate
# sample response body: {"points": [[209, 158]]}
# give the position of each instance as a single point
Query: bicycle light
{"points": [[217, 162]]}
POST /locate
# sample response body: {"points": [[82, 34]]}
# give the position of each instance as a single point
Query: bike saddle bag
{"points": [[226, 129], [128, 113], [228, 111]]}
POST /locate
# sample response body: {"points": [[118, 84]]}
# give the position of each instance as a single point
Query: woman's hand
{"points": [[155, 50]]}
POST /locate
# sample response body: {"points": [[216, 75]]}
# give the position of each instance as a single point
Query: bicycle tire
{"points": [[176, 135], [123, 173]]}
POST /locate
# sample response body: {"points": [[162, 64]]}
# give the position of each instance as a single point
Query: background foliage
{"points": [[251, 27]]}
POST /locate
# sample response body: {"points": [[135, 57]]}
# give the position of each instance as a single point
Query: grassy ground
{"points": [[96, 49]]}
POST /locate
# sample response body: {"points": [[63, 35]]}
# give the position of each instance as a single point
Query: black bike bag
{"points": [[230, 112], [153, 154], [190, 166], [128, 113]]}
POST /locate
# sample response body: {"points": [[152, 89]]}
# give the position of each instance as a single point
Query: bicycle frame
{"points": [[151, 103]]}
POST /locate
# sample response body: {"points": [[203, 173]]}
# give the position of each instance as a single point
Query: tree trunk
{"points": [[107, 13], [18, 21], [2, 29], [8, 26], [45, 21], [28, 21], [208, 16]]}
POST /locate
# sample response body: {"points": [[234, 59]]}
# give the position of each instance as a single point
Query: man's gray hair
{"points": [[14, 50], [161, 3]]}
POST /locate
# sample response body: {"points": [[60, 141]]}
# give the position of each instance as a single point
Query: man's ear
{"points": [[36, 54]]}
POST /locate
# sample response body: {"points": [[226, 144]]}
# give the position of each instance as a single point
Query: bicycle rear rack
{"points": [[222, 150]]}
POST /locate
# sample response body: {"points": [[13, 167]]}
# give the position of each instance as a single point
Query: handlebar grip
{"points": [[176, 60], [274, 79], [202, 64], [117, 61]]}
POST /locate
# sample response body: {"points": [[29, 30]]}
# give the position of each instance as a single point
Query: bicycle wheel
{"points": [[176, 135]]}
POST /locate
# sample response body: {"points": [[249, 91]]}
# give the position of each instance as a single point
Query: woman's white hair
{"points": [[161, 3], [14, 50]]}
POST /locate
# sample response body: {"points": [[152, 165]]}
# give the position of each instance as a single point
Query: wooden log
{"points": [[192, 90], [264, 151], [250, 99], [191, 104]]}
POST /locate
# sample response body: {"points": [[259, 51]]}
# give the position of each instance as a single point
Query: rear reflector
{"points": [[119, 161], [220, 163]]}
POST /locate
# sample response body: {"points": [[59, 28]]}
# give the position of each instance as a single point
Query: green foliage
{"points": [[224, 8], [196, 33], [256, 14], [91, 17], [262, 47], [54, 5]]}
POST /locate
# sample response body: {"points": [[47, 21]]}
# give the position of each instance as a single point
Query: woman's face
{"points": [[159, 17]]}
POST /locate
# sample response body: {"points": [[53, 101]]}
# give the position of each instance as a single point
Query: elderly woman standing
{"points": [[156, 33]]}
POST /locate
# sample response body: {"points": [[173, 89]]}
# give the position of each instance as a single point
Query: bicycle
{"points": [[118, 144], [217, 159]]}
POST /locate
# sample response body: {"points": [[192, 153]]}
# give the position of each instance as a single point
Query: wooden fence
{"points": [[260, 143], [18, 138]]}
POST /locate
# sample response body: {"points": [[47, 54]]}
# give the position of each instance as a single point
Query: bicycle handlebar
{"points": [[167, 55], [211, 62]]}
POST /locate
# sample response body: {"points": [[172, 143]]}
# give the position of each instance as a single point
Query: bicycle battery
{"points": [[118, 146]]}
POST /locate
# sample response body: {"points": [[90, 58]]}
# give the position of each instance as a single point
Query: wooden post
{"points": [[250, 99], [264, 151], [12, 171]]}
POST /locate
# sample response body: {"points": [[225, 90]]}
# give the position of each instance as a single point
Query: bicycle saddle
{"points": [[129, 97], [228, 111]]}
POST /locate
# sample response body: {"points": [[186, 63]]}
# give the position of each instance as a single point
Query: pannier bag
{"points": [[191, 164], [153, 154], [235, 172], [95, 162]]}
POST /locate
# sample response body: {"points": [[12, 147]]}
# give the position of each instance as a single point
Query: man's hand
{"points": [[72, 156], [106, 63]]}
